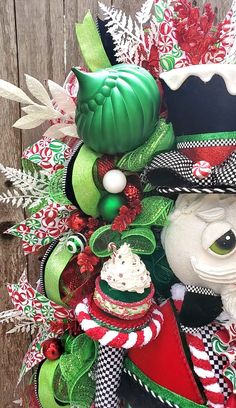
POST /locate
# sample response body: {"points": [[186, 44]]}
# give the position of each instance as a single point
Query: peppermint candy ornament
{"points": [[76, 243], [201, 169]]}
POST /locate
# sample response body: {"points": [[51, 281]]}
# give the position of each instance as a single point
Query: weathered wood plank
{"points": [[13, 262], [130, 7], [40, 41]]}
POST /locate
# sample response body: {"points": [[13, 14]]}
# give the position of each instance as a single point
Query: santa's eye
{"points": [[225, 244]]}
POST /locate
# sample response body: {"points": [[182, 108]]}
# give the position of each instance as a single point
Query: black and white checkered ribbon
{"points": [[222, 177], [218, 362], [108, 376], [200, 290]]}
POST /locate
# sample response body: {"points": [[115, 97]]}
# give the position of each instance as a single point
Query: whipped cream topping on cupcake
{"points": [[125, 271]]}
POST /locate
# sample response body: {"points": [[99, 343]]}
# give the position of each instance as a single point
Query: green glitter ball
{"points": [[109, 206]]}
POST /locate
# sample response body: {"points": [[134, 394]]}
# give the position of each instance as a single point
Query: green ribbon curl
{"points": [[161, 140], [139, 236], [91, 45], [67, 381], [53, 269], [141, 240], [45, 385], [72, 383]]}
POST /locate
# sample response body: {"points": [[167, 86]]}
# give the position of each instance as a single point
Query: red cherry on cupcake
{"points": [[52, 349]]}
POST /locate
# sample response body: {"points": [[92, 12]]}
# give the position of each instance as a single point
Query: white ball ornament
{"points": [[114, 181]]}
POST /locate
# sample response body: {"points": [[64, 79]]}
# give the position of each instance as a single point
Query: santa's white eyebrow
{"points": [[212, 215]]}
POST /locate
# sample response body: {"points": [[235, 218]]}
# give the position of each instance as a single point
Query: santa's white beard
{"points": [[228, 296]]}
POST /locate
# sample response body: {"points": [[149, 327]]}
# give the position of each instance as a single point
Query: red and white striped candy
{"points": [[201, 169], [115, 338]]}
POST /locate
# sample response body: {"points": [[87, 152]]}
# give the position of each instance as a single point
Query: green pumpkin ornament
{"points": [[117, 108]]}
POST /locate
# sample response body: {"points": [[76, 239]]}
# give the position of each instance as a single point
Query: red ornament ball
{"points": [[52, 349], [132, 192]]}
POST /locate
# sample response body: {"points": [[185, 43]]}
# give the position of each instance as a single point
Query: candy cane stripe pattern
{"points": [[201, 169], [203, 369], [114, 338]]}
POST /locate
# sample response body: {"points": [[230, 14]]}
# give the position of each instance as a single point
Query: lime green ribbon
{"points": [[67, 380], [86, 193], [160, 141], [53, 269], [45, 385], [91, 45], [155, 211]]}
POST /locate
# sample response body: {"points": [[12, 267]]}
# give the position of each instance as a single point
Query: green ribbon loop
{"points": [[139, 236], [91, 45], [72, 383], [53, 269], [141, 240], [45, 385], [67, 381], [155, 211], [160, 141]]}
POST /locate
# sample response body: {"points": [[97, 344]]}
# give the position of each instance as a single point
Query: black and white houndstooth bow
{"points": [[171, 172]]}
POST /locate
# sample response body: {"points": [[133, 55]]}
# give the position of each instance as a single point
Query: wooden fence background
{"points": [[36, 37]]}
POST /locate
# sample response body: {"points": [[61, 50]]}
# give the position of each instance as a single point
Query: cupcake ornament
{"points": [[126, 272], [122, 310]]}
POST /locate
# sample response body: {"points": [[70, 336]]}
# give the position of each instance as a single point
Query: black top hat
{"points": [[201, 103]]}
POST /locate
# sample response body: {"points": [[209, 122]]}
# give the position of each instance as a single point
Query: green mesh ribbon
{"points": [[91, 45], [148, 187], [161, 140], [72, 383], [141, 240], [154, 211]]}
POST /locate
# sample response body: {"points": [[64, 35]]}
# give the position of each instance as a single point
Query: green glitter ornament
{"points": [[109, 206], [117, 108]]}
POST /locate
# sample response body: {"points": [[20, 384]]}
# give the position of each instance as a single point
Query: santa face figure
{"points": [[200, 244]]}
